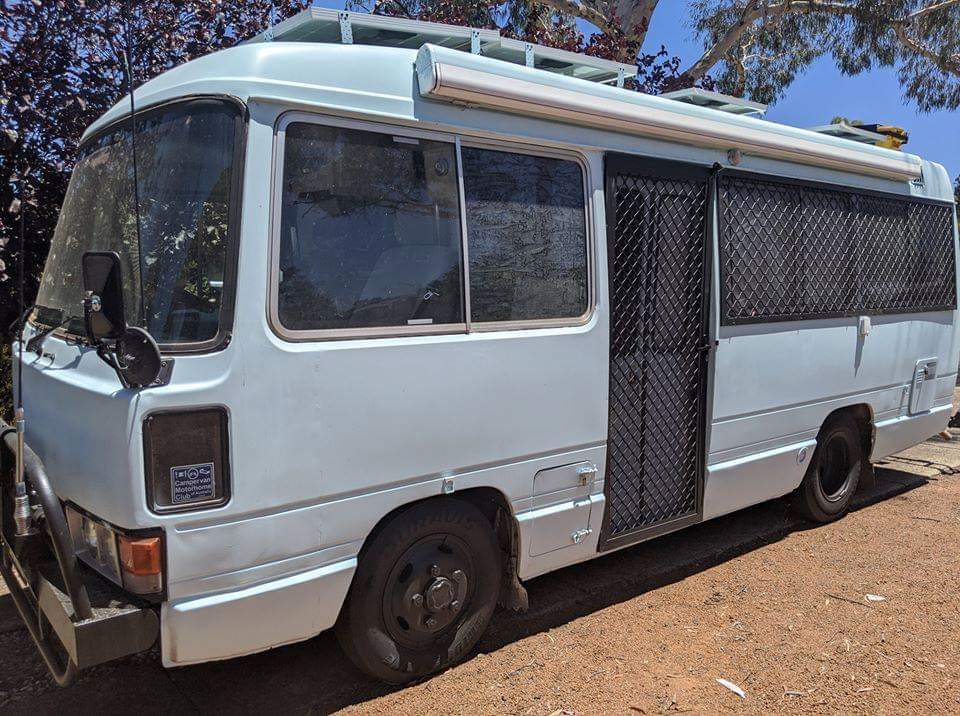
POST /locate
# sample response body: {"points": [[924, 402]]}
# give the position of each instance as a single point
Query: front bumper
{"points": [[76, 618], [255, 618]]}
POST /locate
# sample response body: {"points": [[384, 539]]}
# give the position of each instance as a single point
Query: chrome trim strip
{"points": [[464, 244]]}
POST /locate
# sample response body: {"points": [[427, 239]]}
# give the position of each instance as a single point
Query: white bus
{"points": [[402, 315]]}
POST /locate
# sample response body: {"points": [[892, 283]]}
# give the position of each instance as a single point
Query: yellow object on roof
{"points": [[879, 135], [893, 137]]}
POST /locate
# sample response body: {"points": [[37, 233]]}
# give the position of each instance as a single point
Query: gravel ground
{"points": [[777, 607]]}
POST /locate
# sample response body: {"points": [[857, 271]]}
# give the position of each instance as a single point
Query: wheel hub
{"points": [[427, 590], [440, 594], [441, 599]]}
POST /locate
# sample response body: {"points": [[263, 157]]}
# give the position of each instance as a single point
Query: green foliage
{"points": [[763, 44], [61, 67], [843, 120]]}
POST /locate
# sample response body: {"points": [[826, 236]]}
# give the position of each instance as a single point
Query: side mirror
{"points": [[134, 354], [138, 358], [103, 290]]}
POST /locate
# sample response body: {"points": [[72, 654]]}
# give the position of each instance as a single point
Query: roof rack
{"points": [[718, 101], [849, 131], [890, 137], [323, 25]]}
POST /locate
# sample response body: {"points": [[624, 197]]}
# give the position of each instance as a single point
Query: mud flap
{"points": [[513, 595]]}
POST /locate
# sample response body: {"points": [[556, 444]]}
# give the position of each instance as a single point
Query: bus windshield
{"points": [[174, 275]]}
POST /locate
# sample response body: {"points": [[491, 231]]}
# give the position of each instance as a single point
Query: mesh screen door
{"points": [[657, 228]]}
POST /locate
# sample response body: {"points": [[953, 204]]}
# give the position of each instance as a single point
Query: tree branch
{"points": [[378, 8], [943, 4], [584, 9], [950, 64], [753, 11], [635, 16], [631, 17]]}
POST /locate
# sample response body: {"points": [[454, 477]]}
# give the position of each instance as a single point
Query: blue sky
{"points": [[821, 93]]}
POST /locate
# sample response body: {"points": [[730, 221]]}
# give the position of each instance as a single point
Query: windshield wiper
{"points": [[35, 344], [19, 323]]}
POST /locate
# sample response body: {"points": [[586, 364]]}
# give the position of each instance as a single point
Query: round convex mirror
{"points": [[139, 357]]}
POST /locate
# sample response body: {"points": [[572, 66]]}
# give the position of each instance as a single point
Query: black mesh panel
{"points": [[656, 363], [791, 251]]}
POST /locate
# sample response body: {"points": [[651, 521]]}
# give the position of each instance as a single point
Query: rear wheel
{"points": [[424, 592], [834, 473]]}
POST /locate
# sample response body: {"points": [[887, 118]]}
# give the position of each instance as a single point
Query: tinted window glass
{"points": [[370, 232], [526, 231], [791, 251], [768, 235], [174, 278]]}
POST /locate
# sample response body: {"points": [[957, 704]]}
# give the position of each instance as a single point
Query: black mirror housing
{"points": [[103, 309], [134, 354]]}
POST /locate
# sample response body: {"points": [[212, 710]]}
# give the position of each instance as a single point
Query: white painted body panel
{"points": [[328, 437]]}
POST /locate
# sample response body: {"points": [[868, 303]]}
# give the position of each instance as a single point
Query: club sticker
{"points": [[191, 483]]}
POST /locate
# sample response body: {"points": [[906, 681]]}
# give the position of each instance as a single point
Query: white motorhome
{"points": [[401, 315]]}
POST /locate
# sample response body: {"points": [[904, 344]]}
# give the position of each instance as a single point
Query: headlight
{"points": [[186, 455], [95, 544], [134, 561]]}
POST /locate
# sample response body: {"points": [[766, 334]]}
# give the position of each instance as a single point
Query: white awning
{"points": [[460, 77]]}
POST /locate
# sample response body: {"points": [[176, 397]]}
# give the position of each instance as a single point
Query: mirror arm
{"points": [[109, 356], [91, 305]]}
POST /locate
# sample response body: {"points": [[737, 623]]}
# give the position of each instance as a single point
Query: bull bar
{"points": [[93, 620]]}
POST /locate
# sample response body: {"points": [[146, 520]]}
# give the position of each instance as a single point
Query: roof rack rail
{"points": [[324, 25], [716, 100]]}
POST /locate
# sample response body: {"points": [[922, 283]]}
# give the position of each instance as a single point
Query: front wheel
{"points": [[834, 472], [425, 589]]}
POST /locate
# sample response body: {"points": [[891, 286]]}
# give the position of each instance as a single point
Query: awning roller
{"points": [[460, 77]]}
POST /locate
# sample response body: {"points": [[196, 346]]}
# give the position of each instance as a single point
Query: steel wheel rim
{"points": [[428, 590], [834, 469]]}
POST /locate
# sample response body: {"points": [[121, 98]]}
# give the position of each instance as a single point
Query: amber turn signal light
{"points": [[141, 562]]}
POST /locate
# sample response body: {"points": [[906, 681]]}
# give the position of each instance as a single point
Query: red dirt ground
{"points": [[773, 605]]}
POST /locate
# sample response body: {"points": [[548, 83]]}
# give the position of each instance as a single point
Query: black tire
{"points": [[834, 472], [408, 576]]}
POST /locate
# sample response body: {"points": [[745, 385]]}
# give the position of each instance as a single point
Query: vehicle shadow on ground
{"points": [[315, 677]]}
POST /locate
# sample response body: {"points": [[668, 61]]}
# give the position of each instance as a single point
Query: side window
{"points": [[794, 251], [763, 261], [526, 236], [370, 231]]}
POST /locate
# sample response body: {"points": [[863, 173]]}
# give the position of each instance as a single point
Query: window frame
{"points": [[481, 326], [457, 140], [228, 299]]}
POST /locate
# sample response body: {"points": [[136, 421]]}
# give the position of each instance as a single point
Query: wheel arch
{"points": [[495, 506], [863, 416]]}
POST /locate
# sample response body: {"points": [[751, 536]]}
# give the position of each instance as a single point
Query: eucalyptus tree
{"points": [[757, 47]]}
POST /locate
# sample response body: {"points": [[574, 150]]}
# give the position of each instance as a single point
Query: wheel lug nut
{"points": [[417, 600], [435, 570], [431, 622], [455, 605]]}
